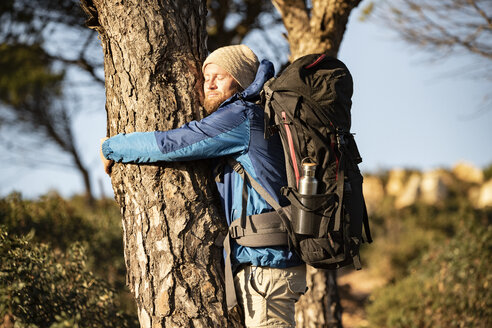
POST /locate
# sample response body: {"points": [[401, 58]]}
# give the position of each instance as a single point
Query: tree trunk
{"points": [[318, 30], [171, 221], [320, 306]]}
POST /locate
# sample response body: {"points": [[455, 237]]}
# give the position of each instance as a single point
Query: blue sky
{"points": [[411, 112], [407, 112]]}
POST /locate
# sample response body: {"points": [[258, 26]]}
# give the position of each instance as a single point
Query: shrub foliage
{"points": [[60, 228], [43, 288], [448, 287], [436, 261]]}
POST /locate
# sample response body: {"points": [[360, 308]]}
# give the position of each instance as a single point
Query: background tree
{"points": [[36, 61], [317, 28], [33, 22]]}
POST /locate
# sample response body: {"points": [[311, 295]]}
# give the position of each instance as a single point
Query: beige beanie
{"points": [[239, 61]]}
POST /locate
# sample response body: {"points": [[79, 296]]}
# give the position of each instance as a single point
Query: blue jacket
{"points": [[236, 130]]}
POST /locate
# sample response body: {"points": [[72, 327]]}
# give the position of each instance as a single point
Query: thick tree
{"points": [[172, 224]]}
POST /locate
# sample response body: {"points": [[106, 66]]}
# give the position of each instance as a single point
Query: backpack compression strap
{"points": [[365, 221], [340, 180], [345, 156]]}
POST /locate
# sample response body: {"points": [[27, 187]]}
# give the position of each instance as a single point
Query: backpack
{"points": [[309, 105]]}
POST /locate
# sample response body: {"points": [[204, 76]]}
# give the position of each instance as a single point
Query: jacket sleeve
{"points": [[222, 133]]}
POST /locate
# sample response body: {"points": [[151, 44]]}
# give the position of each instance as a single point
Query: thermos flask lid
{"points": [[309, 169]]}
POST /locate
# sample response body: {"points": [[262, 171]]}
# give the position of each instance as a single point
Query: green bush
{"points": [[51, 219], [448, 287], [405, 235], [41, 288], [61, 222]]}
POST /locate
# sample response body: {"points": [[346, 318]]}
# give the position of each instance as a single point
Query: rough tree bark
{"points": [[316, 30], [152, 60]]}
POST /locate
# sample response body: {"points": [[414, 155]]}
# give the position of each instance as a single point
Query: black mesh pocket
{"points": [[311, 214], [321, 251]]}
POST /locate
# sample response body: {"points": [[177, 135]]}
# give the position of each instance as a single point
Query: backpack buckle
{"points": [[236, 232], [340, 137], [271, 130], [238, 168]]}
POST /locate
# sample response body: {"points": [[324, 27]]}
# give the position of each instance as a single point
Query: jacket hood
{"points": [[265, 72]]}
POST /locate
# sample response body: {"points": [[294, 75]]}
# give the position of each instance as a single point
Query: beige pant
{"points": [[268, 295]]}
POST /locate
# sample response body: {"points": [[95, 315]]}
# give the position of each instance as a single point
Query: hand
{"points": [[107, 163]]}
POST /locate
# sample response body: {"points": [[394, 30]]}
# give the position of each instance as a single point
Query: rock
{"points": [[485, 195], [433, 188], [373, 192], [468, 172], [410, 192], [473, 195], [395, 182]]}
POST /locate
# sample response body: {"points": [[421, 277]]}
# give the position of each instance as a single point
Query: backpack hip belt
{"points": [[260, 230]]}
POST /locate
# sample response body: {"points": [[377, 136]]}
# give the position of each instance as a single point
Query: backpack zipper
{"points": [[291, 148]]}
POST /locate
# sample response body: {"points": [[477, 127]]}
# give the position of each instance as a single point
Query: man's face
{"points": [[219, 86]]}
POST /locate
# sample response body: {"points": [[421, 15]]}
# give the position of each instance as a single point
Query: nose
{"points": [[210, 84]]}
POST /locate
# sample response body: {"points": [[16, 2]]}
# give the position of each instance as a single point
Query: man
{"points": [[268, 280]]}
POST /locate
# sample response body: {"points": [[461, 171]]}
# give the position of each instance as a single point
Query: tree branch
{"points": [[446, 25], [481, 12], [81, 63]]}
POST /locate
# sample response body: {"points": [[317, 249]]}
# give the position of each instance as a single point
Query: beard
{"points": [[211, 104]]}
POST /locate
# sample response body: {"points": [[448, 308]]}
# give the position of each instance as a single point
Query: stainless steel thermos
{"points": [[305, 221]]}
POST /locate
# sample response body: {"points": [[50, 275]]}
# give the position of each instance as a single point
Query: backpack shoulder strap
{"points": [[266, 97], [236, 166]]}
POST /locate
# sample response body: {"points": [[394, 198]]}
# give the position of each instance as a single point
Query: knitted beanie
{"points": [[239, 61]]}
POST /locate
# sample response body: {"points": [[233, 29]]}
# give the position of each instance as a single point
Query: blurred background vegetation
{"points": [[431, 252], [62, 260]]}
